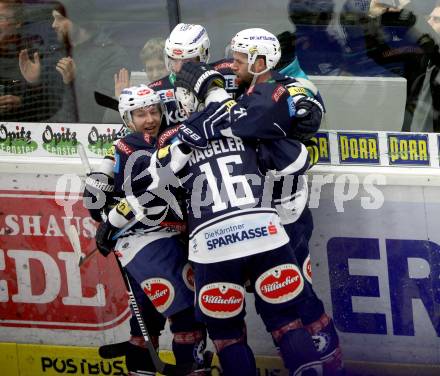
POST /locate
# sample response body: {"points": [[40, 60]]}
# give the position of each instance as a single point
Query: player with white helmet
{"points": [[140, 108], [255, 54], [274, 107], [185, 43], [257, 42], [150, 250]]}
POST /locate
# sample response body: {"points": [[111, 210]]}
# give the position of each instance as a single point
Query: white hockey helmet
{"points": [[135, 97], [187, 41], [257, 42]]}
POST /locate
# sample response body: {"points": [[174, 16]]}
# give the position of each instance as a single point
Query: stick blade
{"points": [[106, 101]]}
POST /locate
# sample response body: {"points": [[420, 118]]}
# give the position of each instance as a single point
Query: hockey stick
{"points": [[71, 232], [85, 258], [84, 159], [161, 367], [106, 101], [73, 236]]}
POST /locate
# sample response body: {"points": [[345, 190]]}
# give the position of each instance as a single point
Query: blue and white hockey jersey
{"points": [[266, 114], [149, 214], [228, 217], [266, 111]]}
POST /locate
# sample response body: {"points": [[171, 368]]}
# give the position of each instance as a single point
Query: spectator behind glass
{"points": [[29, 86], [319, 51], [352, 28], [425, 98], [404, 44], [94, 60], [152, 57]]}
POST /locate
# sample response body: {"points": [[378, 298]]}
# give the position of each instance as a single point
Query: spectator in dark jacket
{"points": [[403, 43], [30, 89], [94, 59]]}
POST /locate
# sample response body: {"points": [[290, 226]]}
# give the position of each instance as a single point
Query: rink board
{"points": [[375, 257], [31, 360]]}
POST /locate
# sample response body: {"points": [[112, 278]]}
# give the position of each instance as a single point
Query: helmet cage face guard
{"points": [[255, 43], [187, 102]]}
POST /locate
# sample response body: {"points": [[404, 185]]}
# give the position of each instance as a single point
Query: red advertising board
{"points": [[41, 285]]}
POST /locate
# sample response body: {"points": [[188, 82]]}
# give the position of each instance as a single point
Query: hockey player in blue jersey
{"points": [[99, 199], [273, 107], [181, 45], [186, 42], [151, 251], [235, 235], [185, 52], [191, 43]]}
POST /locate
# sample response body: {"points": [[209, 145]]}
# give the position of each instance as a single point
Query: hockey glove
{"points": [[98, 193], [137, 359], [104, 235], [198, 78], [201, 127], [308, 118]]}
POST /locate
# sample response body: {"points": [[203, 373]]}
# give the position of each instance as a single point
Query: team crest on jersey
{"points": [[188, 276], [221, 300], [321, 341], [280, 284], [307, 269], [160, 292]]}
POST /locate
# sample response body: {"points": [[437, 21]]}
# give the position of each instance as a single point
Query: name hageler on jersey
{"points": [[226, 217]]}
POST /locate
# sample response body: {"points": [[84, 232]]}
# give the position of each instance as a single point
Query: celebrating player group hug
{"points": [[203, 197]]}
